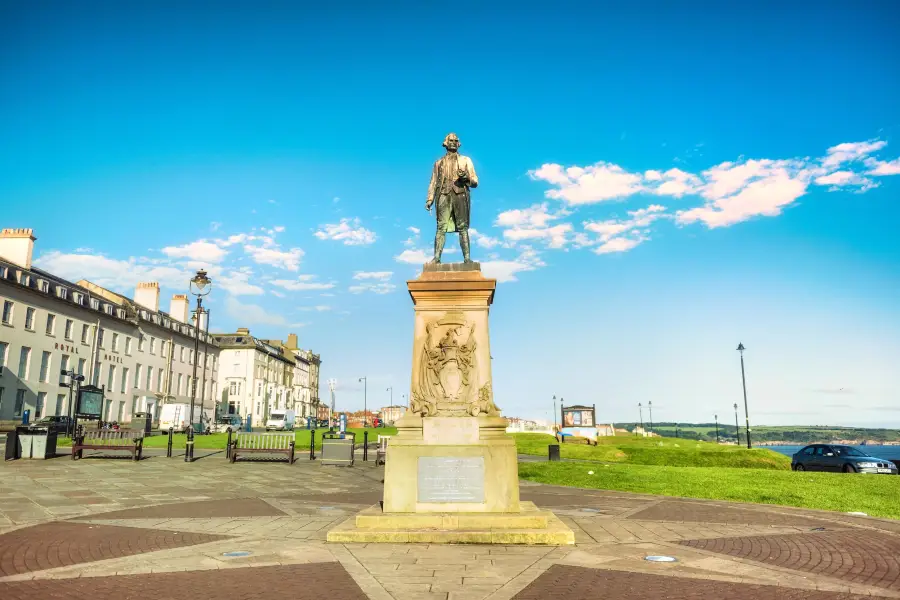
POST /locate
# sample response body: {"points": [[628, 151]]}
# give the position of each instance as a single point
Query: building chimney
{"points": [[178, 309], [292, 341], [17, 246], [243, 331], [204, 319], [147, 295]]}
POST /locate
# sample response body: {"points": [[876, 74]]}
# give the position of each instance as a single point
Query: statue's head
{"points": [[451, 142]]}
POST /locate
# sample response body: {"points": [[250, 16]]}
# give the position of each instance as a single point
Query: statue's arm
{"points": [[429, 198], [473, 178]]}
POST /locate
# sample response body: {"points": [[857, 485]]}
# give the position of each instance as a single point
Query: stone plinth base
{"points": [[530, 526]]}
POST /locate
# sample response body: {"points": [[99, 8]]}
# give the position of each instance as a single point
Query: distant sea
{"points": [[888, 452]]}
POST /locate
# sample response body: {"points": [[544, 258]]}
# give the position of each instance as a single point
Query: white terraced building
{"points": [[142, 356]]}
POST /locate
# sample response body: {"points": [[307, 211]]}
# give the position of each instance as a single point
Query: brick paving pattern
{"points": [[61, 544], [315, 581], [697, 512], [238, 507], [368, 498], [579, 583], [861, 557]]}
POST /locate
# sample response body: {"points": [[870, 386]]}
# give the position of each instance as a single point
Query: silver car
{"points": [[840, 459]]}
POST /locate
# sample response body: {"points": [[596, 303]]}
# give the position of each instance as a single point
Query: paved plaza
{"points": [[163, 528]]}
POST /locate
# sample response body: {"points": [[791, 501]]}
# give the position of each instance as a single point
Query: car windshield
{"points": [[276, 417], [847, 451]]}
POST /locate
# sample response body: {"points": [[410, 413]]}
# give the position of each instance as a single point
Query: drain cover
{"points": [[661, 558], [237, 553]]}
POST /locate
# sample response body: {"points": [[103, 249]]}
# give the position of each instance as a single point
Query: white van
{"points": [[281, 421], [177, 416]]}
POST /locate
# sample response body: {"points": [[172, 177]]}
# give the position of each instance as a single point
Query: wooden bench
{"points": [[106, 439], [381, 453], [264, 443]]}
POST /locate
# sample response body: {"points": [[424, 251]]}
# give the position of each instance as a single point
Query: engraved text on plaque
{"points": [[450, 479]]}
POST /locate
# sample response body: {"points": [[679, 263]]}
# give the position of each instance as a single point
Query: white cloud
{"points": [[278, 228], [302, 283], [118, 275], [505, 271], [619, 244], [881, 168], [201, 250], [379, 275], [676, 183], [381, 287], [850, 151], [414, 230], [283, 259], [845, 178], [214, 226], [586, 185], [413, 256], [532, 223], [277, 294], [349, 231], [237, 283], [251, 314], [620, 235]]}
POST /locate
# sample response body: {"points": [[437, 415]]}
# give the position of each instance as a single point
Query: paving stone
{"points": [[699, 512], [240, 507], [578, 582]]}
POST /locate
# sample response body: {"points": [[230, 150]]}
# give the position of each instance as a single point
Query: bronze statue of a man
{"points": [[451, 178]]}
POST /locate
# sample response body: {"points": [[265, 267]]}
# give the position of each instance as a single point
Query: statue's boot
{"points": [[438, 246], [464, 244]]}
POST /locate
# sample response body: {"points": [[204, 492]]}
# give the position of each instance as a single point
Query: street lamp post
{"points": [[205, 358], [650, 406], [737, 427], [74, 380], [717, 428], [202, 284], [641, 413], [365, 411], [554, 412], [741, 349]]}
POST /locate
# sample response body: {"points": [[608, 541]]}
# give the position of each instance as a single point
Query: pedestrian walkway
{"points": [[113, 528]]}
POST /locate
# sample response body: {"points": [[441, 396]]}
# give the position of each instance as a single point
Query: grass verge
{"points": [[874, 495]]}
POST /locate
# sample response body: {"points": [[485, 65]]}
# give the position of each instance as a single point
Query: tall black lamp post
{"points": [[74, 381], [365, 383], [717, 428], [737, 427], [741, 349], [200, 286]]}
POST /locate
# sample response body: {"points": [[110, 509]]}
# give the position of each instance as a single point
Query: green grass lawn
{"points": [[218, 440], [875, 495], [670, 452]]}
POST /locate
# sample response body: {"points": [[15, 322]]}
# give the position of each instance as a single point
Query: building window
{"points": [[4, 348], [137, 376], [115, 342], [68, 333], [41, 401], [134, 405], [95, 378], [181, 354], [149, 378], [51, 324], [63, 366], [45, 367], [29, 318], [100, 337], [124, 379], [141, 344], [128, 345], [159, 380], [60, 400], [24, 360], [84, 333], [121, 412], [95, 303], [20, 402], [7, 312], [111, 378], [81, 364], [180, 383], [44, 285], [153, 345]]}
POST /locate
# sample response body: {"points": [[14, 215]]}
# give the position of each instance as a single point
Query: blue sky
{"points": [[658, 183]]}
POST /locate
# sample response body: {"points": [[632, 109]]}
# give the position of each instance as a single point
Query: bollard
{"points": [[553, 452], [169, 447], [228, 445], [189, 446], [365, 446], [312, 445]]}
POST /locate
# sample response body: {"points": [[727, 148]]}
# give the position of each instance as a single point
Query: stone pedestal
{"points": [[452, 471]]}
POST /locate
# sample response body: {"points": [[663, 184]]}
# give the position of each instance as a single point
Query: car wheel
{"points": [[799, 467], [849, 469]]}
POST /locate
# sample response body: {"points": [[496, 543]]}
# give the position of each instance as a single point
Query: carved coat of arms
{"points": [[446, 382]]}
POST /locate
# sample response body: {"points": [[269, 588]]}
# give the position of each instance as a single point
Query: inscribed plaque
{"points": [[451, 479]]}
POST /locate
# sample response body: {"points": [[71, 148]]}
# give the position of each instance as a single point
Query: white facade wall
{"points": [[133, 367]]}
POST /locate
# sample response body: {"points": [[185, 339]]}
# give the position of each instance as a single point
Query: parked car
{"points": [[232, 423], [836, 458], [59, 424], [281, 421]]}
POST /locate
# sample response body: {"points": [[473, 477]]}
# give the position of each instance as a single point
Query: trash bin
{"points": [[36, 442], [24, 435], [12, 445], [142, 421], [338, 449]]}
